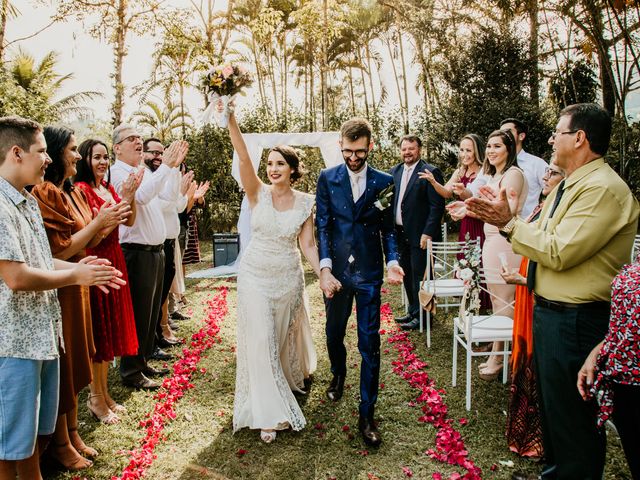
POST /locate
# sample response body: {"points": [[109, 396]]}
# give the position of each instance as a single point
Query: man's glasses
{"points": [[549, 172], [154, 153], [569, 132], [362, 153], [131, 138]]}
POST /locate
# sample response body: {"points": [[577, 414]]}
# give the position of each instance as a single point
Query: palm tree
{"points": [[164, 120], [42, 79]]}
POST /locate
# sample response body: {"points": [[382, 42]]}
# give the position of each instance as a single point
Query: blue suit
{"points": [[353, 236]]}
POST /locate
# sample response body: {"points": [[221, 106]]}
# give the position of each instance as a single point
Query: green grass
{"points": [[200, 443]]}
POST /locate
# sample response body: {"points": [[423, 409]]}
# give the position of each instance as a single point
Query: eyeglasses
{"points": [[569, 132], [131, 138], [362, 153], [549, 172], [154, 153]]}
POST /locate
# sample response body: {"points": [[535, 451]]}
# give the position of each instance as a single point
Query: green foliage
{"points": [[489, 81], [210, 154], [575, 83]]}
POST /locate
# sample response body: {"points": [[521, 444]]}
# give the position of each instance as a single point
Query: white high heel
{"points": [[267, 437]]}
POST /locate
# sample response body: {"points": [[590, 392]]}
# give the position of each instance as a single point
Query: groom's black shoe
{"points": [[336, 387], [370, 433], [406, 319], [414, 324]]}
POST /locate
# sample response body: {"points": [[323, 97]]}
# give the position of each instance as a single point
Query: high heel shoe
{"points": [[117, 408], [108, 418], [267, 436], [79, 463], [79, 445], [488, 375]]}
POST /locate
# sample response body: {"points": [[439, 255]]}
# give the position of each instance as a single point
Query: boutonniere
{"points": [[384, 198]]}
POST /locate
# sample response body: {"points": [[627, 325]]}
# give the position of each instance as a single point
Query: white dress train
{"points": [[275, 348]]}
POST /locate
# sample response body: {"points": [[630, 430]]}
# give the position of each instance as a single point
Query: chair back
{"points": [[636, 248], [445, 255]]}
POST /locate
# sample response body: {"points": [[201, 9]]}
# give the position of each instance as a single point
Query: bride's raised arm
{"points": [[248, 176]]}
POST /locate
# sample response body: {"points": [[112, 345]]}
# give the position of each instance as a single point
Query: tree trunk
{"points": [[119, 54], [534, 79], [184, 127], [364, 88], [258, 73], [3, 27], [404, 82], [370, 75], [351, 94], [323, 68], [397, 81]]}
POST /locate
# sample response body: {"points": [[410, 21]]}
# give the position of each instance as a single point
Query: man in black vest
{"points": [[418, 212]]}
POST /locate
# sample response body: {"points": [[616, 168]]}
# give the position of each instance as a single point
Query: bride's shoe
{"points": [[267, 436]]}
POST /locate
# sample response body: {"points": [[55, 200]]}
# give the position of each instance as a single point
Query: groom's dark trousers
{"points": [[339, 308], [354, 235]]}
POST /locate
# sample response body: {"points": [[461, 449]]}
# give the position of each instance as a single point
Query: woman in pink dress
{"points": [[114, 328], [469, 165]]}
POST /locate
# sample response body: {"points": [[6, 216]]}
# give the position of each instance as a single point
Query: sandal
{"points": [[79, 463], [108, 418], [267, 436], [81, 447], [117, 408]]}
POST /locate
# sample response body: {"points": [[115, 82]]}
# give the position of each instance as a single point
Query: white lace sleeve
{"points": [[307, 202]]}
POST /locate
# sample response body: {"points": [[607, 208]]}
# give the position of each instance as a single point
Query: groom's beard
{"points": [[356, 164]]}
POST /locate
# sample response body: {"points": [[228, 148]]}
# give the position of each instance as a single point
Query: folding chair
{"points": [[636, 247], [443, 284], [469, 329]]}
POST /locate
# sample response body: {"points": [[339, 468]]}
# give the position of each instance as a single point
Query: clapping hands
{"points": [[175, 153]]}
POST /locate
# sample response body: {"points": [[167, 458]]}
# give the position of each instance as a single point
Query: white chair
{"points": [[444, 285], [636, 247], [469, 329]]}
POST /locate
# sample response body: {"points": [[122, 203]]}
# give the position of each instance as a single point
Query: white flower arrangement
{"points": [[468, 270]]}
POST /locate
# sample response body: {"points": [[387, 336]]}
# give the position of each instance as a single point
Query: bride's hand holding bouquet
{"points": [[221, 84]]}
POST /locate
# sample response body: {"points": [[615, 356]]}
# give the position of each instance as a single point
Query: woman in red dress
{"points": [[114, 328]]}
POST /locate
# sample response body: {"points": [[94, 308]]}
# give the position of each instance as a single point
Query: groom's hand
{"points": [[395, 275], [328, 283]]}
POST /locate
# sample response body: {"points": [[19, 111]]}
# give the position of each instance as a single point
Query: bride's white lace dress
{"points": [[275, 348]]}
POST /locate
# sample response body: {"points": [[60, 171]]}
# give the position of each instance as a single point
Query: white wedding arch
{"points": [[327, 142]]}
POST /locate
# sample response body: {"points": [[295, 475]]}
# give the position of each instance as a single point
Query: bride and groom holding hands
{"points": [[275, 353]]}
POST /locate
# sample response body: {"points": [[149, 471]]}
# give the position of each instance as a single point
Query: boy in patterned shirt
{"points": [[30, 318]]}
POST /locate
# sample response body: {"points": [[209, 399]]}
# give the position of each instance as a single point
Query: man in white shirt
{"points": [[534, 168], [172, 201], [142, 245]]}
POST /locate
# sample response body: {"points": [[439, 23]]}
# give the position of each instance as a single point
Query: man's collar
{"points": [[583, 171], [361, 173], [10, 191], [124, 166]]}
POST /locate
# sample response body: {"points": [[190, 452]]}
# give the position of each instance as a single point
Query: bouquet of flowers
{"points": [[468, 270], [220, 85]]}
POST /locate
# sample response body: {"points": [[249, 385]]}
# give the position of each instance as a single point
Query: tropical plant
{"points": [[163, 120]]}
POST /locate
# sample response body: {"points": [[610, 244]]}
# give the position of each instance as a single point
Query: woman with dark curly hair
{"points": [[114, 328], [71, 227]]}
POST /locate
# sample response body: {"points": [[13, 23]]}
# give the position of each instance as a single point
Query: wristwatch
{"points": [[508, 228]]}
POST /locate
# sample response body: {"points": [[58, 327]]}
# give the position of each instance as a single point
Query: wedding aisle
{"points": [[186, 430]]}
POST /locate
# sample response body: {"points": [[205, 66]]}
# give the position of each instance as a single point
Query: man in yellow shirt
{"points": [[583, 237]]}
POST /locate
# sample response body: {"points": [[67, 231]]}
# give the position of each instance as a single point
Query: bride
{"points": [[275, 351]]}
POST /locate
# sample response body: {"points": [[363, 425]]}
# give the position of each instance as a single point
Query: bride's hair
{"points": [[291, 157]]}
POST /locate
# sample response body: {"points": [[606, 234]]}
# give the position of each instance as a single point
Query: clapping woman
{"points": [[71, 227], [114, 328]]}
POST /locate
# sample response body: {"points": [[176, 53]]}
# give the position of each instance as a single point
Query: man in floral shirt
{"points": [[29, 311]]}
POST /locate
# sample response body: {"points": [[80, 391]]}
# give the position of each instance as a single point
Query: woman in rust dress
{"points": [[114, 328], [71, 226]]}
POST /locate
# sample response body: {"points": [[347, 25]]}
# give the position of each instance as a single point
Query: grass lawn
{"points": [[199, 444]]}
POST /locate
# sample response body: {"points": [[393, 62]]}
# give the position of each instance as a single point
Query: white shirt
{"points": [[361, 178], [175, 202], [534, 170], [406, 173], [149, 227]]}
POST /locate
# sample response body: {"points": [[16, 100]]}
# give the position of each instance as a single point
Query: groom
{"points": [[352, 234]]}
